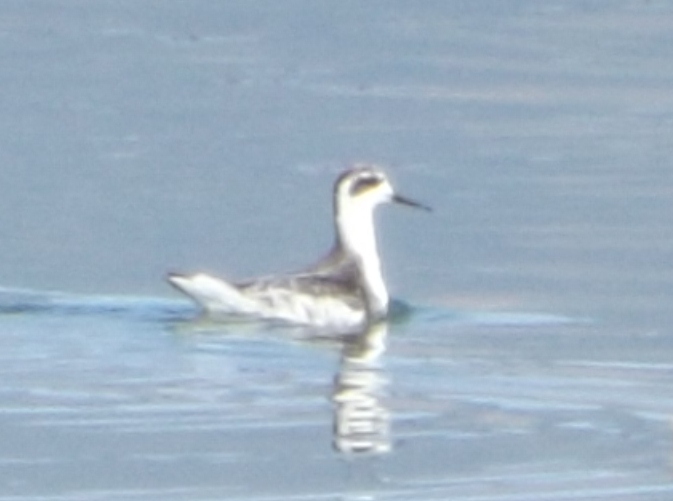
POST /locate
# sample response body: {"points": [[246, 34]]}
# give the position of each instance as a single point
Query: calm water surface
{"points": [[142, 137]]}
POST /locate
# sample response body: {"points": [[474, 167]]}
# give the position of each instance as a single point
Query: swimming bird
{"points": [[345, 289]]}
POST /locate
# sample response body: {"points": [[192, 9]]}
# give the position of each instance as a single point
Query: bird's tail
{"points": [[213, 294]]}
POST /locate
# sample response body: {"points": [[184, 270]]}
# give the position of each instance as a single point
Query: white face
{"points": [[366, 187]]}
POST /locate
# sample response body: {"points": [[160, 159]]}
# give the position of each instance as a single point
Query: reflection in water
{"points": [[361, 421]]}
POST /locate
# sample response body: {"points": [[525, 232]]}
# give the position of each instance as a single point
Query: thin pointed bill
{"points": [[411, 203]]}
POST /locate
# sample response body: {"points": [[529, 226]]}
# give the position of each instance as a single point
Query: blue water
{"points": [[144, 137], [139, 398]]}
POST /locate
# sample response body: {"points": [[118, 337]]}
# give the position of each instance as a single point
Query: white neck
{"points": [[355, 227]]}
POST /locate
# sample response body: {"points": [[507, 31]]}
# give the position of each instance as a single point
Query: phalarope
{"points": [[344, 289]]}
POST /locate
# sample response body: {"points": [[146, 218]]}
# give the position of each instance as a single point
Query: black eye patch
{"points": [[364, 184]]}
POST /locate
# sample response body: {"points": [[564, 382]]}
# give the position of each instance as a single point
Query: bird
{"points": [[343, 290]]}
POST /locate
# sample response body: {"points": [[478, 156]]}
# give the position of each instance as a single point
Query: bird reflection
{"points": [[361, 420]]}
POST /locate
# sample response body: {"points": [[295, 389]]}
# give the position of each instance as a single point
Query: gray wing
{"points": [[339, 279]]}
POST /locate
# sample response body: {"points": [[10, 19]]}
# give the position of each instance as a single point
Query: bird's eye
{"points": [[365, 183]]}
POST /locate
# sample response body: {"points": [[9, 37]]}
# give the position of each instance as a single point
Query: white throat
{"points": [[355, 225]]}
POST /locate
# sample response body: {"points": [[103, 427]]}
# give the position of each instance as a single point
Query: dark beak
{"points": [[411, 203]]}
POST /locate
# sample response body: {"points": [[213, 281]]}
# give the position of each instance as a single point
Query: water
{"points": [[145, 137]]}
